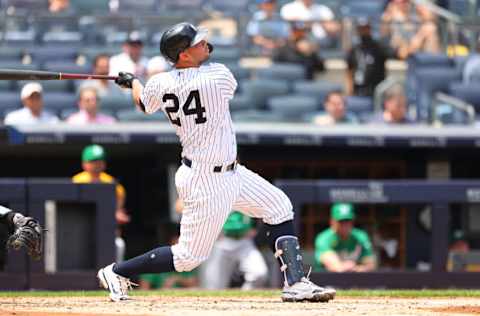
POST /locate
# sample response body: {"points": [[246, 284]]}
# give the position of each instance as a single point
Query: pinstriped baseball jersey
{"points": [[196, 102]]}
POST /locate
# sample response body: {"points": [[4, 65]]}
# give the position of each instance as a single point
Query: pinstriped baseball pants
{"points": [[209, 198]]}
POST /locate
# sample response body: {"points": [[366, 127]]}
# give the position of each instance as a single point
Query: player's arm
{"points": [[367, 264], [333, 263], [129, 81]]}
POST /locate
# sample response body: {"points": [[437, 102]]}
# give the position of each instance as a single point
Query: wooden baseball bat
{"points": [[16, 74]]}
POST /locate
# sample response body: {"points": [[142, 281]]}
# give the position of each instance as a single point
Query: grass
{"points": [[256, 293]]}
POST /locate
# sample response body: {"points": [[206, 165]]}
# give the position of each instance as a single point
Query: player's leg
{"points": [[218, 269], [207, 203], [252, 265], [259, 198]]}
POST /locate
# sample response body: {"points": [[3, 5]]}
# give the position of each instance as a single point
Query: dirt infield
{"points": [[245, 306]]}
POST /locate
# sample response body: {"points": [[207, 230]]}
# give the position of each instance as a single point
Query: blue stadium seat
{"points": [[469, 93], [282, 71], [64, 114], [251, 116], [292, 107], [359, 105], [9, 53], [90, 7], [43, 54], [18, 65], [232, 7], [10, 99], [116, 102], [365, 8], [6, 85], [58, 101], [239, 72], [66, 66], [241, 102], [180, 5], [427, 82], [260, 90], [225, 55], [26, 6], [318, 89], [134, 115], [139, 7], [52, 85], [462, 7]]}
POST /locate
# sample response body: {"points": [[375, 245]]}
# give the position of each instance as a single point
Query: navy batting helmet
{"points": [[180, 37]]}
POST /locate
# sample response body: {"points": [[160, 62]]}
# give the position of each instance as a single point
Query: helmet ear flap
{"points": [[210, 47]]}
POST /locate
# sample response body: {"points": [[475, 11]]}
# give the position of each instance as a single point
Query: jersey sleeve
{"points": [[150, 97], [365, 243], [323, 244], [226, 82]]}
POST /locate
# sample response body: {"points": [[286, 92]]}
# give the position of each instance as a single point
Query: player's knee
{"points": [[189, 264]]}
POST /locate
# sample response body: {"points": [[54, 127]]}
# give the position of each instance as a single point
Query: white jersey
{"points": [[196, 101]]}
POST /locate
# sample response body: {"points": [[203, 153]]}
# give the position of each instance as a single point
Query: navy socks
{"points": [[155, 261]]}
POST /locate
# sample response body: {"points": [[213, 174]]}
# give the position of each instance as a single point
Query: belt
{"points": [[187, 162]]}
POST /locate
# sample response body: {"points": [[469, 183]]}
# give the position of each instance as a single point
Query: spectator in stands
{"points": [[300, 49], [62, 7], [157, 65], [132, 59], [101, 66], [321, 18], [169, 280], [343, 248], [94, 166], [88, 109], [32, 111], [471, 69], [394, 108], [397, 23], [335, 111], [266, 29], [366, 62], [426, 38]]}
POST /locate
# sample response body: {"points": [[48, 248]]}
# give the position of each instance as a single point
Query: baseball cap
{"points": [[343, 212], [134, 37], [29, 89], [93, 152]]}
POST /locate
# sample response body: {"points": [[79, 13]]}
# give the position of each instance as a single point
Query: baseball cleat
{"points": [[306, 290], [116, 284]]}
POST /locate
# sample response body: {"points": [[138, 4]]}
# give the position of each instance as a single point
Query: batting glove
{"points": [[125, 79]]}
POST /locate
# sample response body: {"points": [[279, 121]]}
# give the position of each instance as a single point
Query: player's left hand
{"points": [[27, 234], [125, 79]]}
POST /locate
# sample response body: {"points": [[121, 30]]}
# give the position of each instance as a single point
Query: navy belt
{"points": [[187, 162]]}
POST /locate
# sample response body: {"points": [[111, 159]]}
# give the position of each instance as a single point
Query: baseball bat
{"points": [[16, 74]]}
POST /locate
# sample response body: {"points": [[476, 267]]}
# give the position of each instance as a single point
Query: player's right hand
{"points": [[125, 79]]}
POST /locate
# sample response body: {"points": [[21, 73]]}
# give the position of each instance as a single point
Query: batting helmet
{"points": [[180, 37]]}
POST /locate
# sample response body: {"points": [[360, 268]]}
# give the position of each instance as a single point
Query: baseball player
{"points": [[195, 97], [25, 232]]}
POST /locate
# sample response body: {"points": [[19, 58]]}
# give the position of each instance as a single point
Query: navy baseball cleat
{"points": [[116, 284]]}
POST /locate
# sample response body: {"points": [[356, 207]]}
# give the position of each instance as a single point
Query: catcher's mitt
{"points": [[27, 234]]}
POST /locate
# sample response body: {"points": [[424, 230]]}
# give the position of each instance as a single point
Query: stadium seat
{"points": [[241, 102], [10, 53], [58, 101], [260, 90], [427, 82], [231, 7], [139, 7], [180, 5], [6, 85], [52, 85], [90, 7], [239, 72], [251, 116], [462, 7], [292, 107], [18, 65], [365, 8], [134, 115], [225, 55], [65, 66], [64, 114], [282, 71], [44, 54], [469, 93], [359, 105], [26, 6], [63, 39], [318, 89], [116, 102], [9, 99]]}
